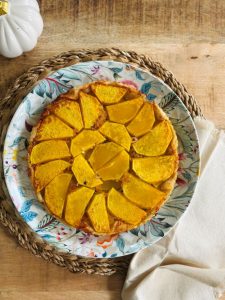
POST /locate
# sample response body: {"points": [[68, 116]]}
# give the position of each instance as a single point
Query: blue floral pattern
{"points": [[15, 163]]}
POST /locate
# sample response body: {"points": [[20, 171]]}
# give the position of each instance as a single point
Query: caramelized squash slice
{"points": [[116, 167], [77, 201], [155, 169], [44, 173], [141, 193], [103, 153], [123, 209], [84, 173], [98, 214], [85, 140], [69, 112], [49, 150], [108, 94], [125, 111], [132, 95], [52, 127], [143, 122], [93, 112], [56, 192], [156, 141], [117, 133]]}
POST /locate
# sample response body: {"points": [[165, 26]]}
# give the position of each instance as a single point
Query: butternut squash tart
{"points": [[102, 158]]}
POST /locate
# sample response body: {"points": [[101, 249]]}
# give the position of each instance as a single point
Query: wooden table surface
{"points": [[186, 36]]}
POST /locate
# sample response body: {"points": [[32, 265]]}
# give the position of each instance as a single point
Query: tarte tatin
{"points": [[103, 158]]}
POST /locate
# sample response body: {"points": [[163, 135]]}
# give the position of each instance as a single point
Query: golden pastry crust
{"points": [[104, 177]]}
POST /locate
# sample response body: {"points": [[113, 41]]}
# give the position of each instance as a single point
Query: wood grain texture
{"points": [[187, 36], [25, 276]]}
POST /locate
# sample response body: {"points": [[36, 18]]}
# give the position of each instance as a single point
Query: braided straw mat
{"points": [[8, 105]]}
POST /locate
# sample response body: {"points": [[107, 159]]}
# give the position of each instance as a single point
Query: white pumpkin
{"points": [[20, 27]]}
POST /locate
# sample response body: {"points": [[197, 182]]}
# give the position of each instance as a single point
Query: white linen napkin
{"points": [[189, 263]]}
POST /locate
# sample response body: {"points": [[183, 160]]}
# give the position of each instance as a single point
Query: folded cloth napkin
{"points": [[189, 262]]}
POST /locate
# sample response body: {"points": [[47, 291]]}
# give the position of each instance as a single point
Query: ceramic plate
{"points": [[15, 160]]}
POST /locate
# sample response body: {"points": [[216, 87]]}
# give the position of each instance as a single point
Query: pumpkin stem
{"points": [[4, 7]]}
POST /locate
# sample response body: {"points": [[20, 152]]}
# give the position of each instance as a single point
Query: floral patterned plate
{"points": [[15, 160]]}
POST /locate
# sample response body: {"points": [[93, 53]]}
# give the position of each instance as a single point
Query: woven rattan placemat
{"points": [[9, 217]]}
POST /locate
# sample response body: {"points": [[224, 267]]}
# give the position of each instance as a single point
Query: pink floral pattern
{"points": [[129, 82]]}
